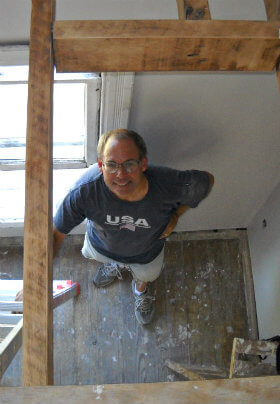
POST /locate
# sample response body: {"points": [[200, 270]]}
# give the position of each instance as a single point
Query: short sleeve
{"points": [[195, 187], [69, 213]]}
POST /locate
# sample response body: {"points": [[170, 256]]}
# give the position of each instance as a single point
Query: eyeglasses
{"points": [[129, 166]]}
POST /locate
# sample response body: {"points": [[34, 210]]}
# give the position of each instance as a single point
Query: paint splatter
{"points": [[98, 389]]}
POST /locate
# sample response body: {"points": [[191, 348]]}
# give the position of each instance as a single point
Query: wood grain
{"points": [[38, 320], [261, 390], [272, 10], [166, 45], [193, 10]]}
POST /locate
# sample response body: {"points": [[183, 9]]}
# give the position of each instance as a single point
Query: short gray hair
{"points": [[122, 134]]}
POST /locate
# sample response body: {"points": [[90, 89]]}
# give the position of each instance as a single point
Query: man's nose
{"points": [[121, 172]]}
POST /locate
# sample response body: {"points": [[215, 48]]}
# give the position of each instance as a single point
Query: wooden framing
{"points": [[166, 45], [37, 359], [245, 360], [11, 344], [113, 46], [193, 10], [272, 10], [254, 390]]}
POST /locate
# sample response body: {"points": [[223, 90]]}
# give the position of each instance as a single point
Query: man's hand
{"points": [[18, 298], [173, 221]]}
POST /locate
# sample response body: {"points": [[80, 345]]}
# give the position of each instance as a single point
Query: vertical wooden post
{"points": [[37, 295], [272, 10], [193, 10]]}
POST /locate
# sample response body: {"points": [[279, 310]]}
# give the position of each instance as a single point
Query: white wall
{"points": [[225, 123], [265, 255]]}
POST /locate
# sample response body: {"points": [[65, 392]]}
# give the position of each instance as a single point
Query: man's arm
{"points": [[174, 220], [182, 209], [57, 240]]}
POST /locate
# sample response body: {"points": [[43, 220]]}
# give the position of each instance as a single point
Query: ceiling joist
{"points": [[166, 45], [272, 10]]}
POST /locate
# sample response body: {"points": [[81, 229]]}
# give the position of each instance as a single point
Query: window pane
{"points": [[69, 120], [13, 106]]}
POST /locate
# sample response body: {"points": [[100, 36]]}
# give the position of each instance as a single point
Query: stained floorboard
{"points": [[200, 306]]}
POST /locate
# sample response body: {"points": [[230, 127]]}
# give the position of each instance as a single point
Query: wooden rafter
{"points": [[272, 10], [166, 45], [193, 10], [38, 319]]}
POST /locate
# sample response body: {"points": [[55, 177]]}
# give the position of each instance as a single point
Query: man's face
{"points": [[123, 184]]}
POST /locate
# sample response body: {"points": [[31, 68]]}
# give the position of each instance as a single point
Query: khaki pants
{"points": [[141, 272]]}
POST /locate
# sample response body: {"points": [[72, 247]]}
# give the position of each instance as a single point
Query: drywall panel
{"points": [[227, 124], [237, 9], [264, 241]]}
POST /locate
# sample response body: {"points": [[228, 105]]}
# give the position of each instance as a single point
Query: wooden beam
{"points": [[9, 347], [252, 390], [181, 9], [193, 10], [182, 370], [37, 297], [242, 365], [272, 10], [166, 45]]}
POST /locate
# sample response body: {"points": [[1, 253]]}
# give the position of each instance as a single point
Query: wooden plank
{"points": [[58, 299], [272, 10], [245, 359], [38, 317], [166, 45], [249, 347], [193, 10], [260, 389], [10, 346], [179, 368]]}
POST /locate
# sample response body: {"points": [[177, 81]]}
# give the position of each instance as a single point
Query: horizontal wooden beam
{"points": [[166, 45], [260, 390]]}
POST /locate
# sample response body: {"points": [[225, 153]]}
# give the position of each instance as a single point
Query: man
{"points": [[130, 208]]}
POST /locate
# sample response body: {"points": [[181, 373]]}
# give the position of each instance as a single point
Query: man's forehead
{"points": [[122, 145]]}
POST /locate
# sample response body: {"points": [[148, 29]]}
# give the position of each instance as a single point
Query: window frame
{"points": [[92, 100]]}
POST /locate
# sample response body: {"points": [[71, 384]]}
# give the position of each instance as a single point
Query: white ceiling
{"points": [[226, 123]]}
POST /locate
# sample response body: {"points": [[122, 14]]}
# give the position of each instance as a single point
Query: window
{"points": [[75, 134], [75, 118]]}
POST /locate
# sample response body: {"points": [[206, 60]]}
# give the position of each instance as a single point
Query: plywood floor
{"points": [[204, 298]]}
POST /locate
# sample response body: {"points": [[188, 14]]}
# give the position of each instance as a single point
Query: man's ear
{"points": [[144, 163], [100, 166]]}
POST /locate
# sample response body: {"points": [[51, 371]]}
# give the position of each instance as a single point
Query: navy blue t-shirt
{"points": [[129, 231]]}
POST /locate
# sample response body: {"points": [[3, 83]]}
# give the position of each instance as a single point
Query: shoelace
{"points": [[112, 269], [143, 303]]}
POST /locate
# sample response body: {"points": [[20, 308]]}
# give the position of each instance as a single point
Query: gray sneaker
{"points": [[106, 274], [144, 306]]}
